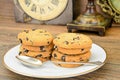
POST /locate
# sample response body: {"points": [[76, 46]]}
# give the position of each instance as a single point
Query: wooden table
{"points": [[9, 30]]}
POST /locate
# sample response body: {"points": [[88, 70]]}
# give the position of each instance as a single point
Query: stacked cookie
{"points": [[36, 43], [71, 47]]}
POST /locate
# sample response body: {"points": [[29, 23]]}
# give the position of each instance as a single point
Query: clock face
{"points": [[43, 9]]}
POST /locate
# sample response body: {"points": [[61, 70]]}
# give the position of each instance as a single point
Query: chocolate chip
{"points": [[40, 55], [20, 53], [27, 38], [26, 51], [73, 38], [76, 38], [81, 60], [55, 47], [42, 48], [82, 49], [63, 58], [59, 64], [48, 42], [55, 55], [27, 31], [66, 42], [46, 57], [50, 55], [20, 40]]}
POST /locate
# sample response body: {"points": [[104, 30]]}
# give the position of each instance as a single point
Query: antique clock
{"points": [[43, 11]]}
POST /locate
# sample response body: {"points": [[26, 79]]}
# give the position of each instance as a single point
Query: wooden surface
{"points": [[9, 30]]}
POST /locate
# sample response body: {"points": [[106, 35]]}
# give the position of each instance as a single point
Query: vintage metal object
{"points": [[90, 20], [43, 11], [111, 7]]}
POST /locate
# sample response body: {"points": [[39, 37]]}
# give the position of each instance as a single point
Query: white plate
{"points": [[48, 69]]}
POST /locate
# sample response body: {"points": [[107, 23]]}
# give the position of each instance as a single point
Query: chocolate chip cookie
{"points": [[38, 48], [73, 50], [71, 58], [67, 65], [34, 53], [72, 40], [35, 37]]}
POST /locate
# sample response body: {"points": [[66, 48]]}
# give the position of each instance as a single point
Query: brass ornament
{"points": [[90, 20], [111, 7], [90, 17]]}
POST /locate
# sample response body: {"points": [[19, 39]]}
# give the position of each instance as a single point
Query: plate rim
{"points": [[50, 77]]}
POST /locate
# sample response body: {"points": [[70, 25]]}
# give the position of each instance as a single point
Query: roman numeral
{"points": [[33, 8], [27, 2], [50, 8], [55, 2], [42, 11]]}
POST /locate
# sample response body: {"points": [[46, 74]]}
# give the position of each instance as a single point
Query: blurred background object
{"points": [[111, 7], [43, 12], [90, 20]]}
